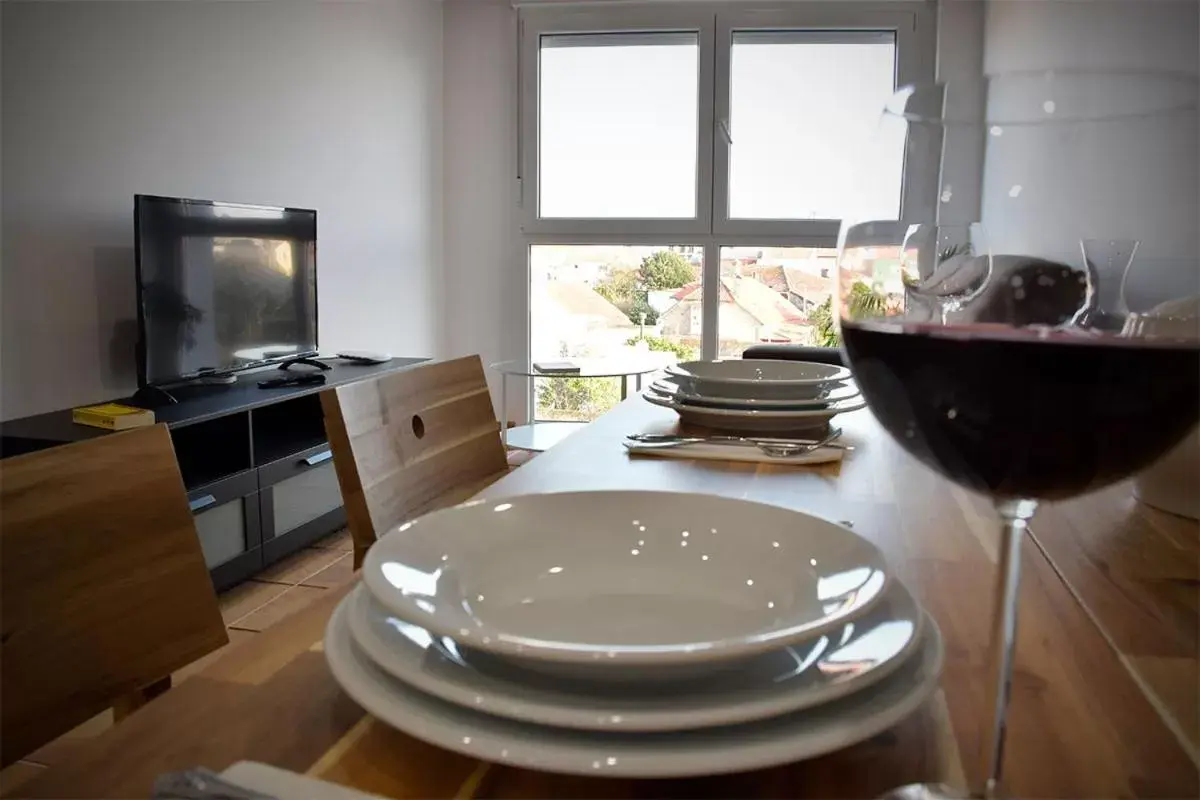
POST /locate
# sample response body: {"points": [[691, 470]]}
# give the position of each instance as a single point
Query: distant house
{"points": [[571, 318], [748, 311], [769, 275], [804, 290]]}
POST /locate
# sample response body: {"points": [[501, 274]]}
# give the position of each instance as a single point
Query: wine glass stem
{"points": [[1015, 516]]}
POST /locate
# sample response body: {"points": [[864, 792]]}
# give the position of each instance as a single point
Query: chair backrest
{"points": [[403, 441], [103, 587]]}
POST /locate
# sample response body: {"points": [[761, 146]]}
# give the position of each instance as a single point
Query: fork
{"points": [[776, 448]]}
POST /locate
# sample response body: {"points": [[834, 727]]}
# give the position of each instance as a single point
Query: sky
{"points": [[619, 123]]}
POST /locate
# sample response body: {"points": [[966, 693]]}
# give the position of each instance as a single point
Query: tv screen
{"points": [[222, 286]]}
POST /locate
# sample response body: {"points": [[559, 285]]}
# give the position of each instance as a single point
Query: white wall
{"points": [[333, 106], [1126, 179], [486, 279]]}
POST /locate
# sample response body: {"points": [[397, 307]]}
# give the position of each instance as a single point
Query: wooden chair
{"points": [[103, 588], [410, 442]]}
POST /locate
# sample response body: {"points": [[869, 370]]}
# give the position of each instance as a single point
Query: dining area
{"points": [[607, 678], [942, 543]]}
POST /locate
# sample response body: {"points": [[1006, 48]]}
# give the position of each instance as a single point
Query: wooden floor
{"points": [[248, 609]]}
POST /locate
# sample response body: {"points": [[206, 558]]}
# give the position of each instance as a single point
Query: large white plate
{"points": [[610, 579], [817, 671], [754, 420], [759, 378], [672, 387], [705, 751]]}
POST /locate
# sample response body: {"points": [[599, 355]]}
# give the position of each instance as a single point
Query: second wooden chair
{"points": [[410, 442]]}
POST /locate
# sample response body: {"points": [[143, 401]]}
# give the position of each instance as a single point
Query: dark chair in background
{"points": [[795, 352]]}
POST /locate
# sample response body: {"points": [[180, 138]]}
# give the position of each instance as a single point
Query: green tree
{"points": [[659, 344], [665, 269], [825, 333], [576, 398], [619, 288], [642, 306], [866, 301]]}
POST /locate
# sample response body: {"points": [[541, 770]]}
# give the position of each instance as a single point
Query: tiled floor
{"points": [[247, 609]]}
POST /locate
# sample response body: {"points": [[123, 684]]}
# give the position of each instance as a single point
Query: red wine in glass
{"points": [[1026, 413]]}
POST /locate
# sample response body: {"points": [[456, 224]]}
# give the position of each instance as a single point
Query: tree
{"points": [[659, 344], [665, 269], [866, 301], [640, 306], [825, 333], [619, 288], [576, 398]]}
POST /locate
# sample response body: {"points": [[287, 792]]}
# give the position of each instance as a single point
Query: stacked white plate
{"points": [[636, 634], [756, 395]]}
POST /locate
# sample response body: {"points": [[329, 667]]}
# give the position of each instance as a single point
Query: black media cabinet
{"points": [[255, 463]]}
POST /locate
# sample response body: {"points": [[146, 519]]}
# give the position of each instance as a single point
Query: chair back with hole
{"points": [[103, 587], [411, 441]]}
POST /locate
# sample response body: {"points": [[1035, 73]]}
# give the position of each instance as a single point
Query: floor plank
{"points": [[246, 597], [335, 574], [15, 775], [292, 599], [337, 541], [299, 565], [60, 749], [235, 636]]}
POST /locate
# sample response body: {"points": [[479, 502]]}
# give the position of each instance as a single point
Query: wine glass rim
{"points": [[1045, 115]]}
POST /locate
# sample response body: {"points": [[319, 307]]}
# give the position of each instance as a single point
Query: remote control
{"points": [[302, 379]]}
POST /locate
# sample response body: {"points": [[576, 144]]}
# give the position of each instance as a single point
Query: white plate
{"points": [[759, 378], [807, 674], [674, 388], [705, 751], [754, 420], [624, 578]]}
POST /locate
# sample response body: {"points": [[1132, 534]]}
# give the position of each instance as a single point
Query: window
{"points": [[617, 125], [609, 303], [733, 139], [775, 295], [804, 113]]}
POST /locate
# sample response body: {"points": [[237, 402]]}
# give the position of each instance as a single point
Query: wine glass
{"points": [[1016, 369]]}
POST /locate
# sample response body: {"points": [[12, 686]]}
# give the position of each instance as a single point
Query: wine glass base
{"points": [[923, 791]]}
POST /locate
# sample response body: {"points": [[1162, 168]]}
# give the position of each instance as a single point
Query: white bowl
{"points": [[755, 420], [623, 578], [704, 751], [807, 674], [759, 378], [677, 389]]}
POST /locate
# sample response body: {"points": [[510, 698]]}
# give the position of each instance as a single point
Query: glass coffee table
{"points": [[540, 436]]}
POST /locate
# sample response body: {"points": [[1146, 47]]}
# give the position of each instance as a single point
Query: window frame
{"points": [[829, 22], [535, 23], [915, 25]]}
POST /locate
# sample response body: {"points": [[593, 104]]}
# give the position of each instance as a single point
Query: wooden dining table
{"points": [[1099, 702]]}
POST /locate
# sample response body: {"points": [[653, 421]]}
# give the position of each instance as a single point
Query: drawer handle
{"points": [[201, 502], [317, 458]]}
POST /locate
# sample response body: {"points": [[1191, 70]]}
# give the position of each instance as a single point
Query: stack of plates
{"points": [[756, 395], [637, 634]]}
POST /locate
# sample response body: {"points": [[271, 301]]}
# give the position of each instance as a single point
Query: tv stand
{"points": [[308, 361], [153, 397], [257, 466]]}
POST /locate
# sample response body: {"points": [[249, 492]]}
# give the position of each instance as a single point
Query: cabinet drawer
{"points": [[284, 468], [227, 518], [302, 498]]}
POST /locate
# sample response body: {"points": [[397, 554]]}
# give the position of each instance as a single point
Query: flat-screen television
{"points": [[222, 287]]}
